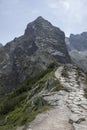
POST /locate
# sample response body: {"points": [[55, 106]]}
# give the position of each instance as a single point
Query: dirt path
{"points": [[55, 119]]}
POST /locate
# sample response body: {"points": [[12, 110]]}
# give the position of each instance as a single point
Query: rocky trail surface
{"points": [[70, 105]]}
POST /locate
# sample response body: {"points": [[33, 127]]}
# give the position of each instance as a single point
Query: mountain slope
{"points": [[21, 106], [41, 44], [62, 91]]}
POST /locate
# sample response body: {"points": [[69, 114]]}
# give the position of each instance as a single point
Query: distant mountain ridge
{"points": [[1, 45], [79, 41], [77, 47]]}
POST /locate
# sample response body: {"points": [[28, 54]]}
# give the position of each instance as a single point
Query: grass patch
{"points": [[86, 78], [85, 90], [24, 114], [65, 73], [16, 108], [14, 98], [9, 103], [77, 79], [58, 86]]}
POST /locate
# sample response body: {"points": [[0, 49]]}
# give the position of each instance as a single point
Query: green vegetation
{"points": [[86, 78], [25, 113], [18, 95], [77, 79], [65, 73], [10, 103], [29, 82], [58, 86], [78, 75], [17, 108], [85, 90]]}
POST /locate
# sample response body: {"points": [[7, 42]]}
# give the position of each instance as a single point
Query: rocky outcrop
{"points": [[41, 44]]}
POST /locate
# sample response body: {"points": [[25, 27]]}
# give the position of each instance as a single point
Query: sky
{"points": [[69, 15]]}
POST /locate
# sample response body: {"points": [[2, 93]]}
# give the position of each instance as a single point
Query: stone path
{"points": [[76, 101], [70, 107]]}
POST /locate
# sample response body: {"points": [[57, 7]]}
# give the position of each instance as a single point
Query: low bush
{"points": [[85, 90], [10, 103], [65, 73], [58, 86]]}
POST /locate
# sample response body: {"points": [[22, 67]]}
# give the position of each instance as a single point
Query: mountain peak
{"points": [[41, 45], [37, 25], [40, 18]]}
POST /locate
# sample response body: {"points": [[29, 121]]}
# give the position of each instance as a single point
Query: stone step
{"points": [[79, 127], [76, 118]]}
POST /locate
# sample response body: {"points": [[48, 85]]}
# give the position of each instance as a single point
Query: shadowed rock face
{"points": [[1, 45], [41, 44], [77, 47], [79, 41]]}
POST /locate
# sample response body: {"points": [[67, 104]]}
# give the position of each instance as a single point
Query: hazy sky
{"points": [[68, 15]]}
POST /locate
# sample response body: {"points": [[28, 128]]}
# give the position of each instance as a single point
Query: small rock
{"points": [[84, 106], [75, 118], [77, 112], [74, 110], [83, 102], [76, 102], [71, 98], [79, 127]]}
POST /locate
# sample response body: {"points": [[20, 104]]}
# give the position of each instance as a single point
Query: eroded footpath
{"points": [[70, 105]]}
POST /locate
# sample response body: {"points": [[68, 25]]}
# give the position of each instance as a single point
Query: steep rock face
{"points": [[48, 38], [77, 47], [69, 46], [79, 41], [1, 45], [41, 44]]}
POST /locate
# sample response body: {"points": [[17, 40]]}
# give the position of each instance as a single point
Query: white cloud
{"points": [[71, 13], [66, 5], [56, 4]]}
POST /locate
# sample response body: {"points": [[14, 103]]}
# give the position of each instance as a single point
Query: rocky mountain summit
{"points": [[41, 44]]}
